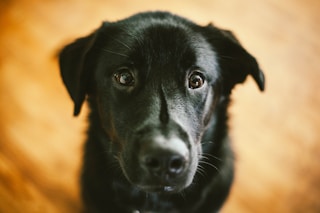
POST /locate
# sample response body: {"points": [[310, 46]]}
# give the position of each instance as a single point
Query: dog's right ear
{"points": [[73, 60], [235, 62]]}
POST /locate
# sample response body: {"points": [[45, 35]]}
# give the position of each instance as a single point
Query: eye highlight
{"points": [[124, 77], [196, 80]]}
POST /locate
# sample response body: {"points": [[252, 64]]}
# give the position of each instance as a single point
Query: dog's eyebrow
{"points": [[122, 43], [115, 53]]}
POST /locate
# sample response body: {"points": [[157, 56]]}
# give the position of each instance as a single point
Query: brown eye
{"points": [[124, 77], [196, 80]]}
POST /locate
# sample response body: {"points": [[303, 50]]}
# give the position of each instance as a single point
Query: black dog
{"points": [[158, 87]]}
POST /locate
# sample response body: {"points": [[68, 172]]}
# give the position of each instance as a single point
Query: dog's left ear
{"points": [[73, 61], [235, 62]]}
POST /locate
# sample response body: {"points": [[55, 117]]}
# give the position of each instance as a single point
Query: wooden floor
{"points": [[276, 134]]}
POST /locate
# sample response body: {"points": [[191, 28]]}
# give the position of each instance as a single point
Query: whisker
{"points": [[123, 44], [183, 195], [115, 53], [210, 164], [203, 158], [201, 171], [226, 57], [207, 142], [207, 155]]}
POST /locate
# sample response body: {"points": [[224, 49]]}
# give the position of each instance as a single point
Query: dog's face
{"points": [[156, 79], [154, 89]]}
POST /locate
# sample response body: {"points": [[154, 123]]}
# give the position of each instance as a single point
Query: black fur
{"points": [[158, 88]]}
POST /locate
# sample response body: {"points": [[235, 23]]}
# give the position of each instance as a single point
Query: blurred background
{"points": [[276, 134]]}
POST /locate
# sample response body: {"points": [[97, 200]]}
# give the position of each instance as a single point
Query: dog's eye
{"points": [[124, 77], [196, 80]]}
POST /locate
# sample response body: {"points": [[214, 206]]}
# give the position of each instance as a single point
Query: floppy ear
{"points": [[235, 62], [73, 60]]}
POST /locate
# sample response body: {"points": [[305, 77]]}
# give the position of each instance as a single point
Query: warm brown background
{"points": [[275, 134]]}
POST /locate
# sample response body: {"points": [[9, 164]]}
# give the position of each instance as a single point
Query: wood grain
{"points": [[275, 134]]}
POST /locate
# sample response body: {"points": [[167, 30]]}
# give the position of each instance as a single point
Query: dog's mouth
{"points": [[159, 188], [158, 184], [155, 184]]}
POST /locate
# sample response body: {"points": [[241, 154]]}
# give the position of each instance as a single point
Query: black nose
{"points": [[164, 164]]}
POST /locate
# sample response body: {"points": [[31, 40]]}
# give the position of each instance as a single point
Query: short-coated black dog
{"points": [[158, 87]]}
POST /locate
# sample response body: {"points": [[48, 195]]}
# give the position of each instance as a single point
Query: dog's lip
{"points": [[159, 188]]}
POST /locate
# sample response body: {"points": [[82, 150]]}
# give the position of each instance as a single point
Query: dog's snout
{"points": [[164, 158], [164, 164]]}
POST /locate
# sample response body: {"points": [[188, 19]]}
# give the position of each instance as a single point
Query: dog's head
{"points": [[155, 79]]}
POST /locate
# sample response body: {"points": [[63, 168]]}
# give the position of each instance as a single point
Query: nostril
{"points": [[176, 164], [164, 164]]}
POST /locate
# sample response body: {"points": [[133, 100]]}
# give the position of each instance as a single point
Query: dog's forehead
{"points": [[159, 43], [169, 43]]}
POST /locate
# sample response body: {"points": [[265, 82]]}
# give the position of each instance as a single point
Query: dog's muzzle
{"points": [[164, 162]]}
